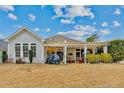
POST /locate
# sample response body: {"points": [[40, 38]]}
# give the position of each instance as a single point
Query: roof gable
{"points": [[21, 30]]}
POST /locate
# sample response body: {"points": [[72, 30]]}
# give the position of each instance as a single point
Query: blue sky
{"points": [[77, 22]]}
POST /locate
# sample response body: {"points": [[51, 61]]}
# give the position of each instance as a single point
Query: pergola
{"points": [[65, 43]]}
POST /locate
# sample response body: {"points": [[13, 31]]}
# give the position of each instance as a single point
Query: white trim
{"points": [[8, 50], [15, 53], [29, 46]]}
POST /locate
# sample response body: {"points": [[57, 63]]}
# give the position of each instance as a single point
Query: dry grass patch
{"points": [[71, 75]]}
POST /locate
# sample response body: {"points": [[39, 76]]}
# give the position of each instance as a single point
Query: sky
{"points": [[74, 21]]}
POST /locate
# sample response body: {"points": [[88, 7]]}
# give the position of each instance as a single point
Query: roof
{"points": [[3, 45], [2, 49], [62, 39], [21, 29]]}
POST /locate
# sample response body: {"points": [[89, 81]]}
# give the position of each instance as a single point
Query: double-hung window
{"points": [[17, 50], [33, 48], [25, 50]]}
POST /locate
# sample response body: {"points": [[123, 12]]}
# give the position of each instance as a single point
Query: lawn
{"points": [[70, 75]]}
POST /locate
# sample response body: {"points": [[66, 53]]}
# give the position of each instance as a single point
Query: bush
{"points": [[91, 58], [98, 58], [103, 57], [30, 56], [106, 58], [19, 61], [4, 56]]}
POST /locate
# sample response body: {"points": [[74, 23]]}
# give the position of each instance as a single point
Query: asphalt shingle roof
{"points": [[62, 39]]}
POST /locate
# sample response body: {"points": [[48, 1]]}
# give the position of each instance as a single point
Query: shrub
{"points": [[98, 58], [106, 58], [91, 58], [4, 56], [103, 57], [30, 56], [19, 61]]}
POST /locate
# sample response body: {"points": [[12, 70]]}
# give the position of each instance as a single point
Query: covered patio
{"points": [[68, 48]]}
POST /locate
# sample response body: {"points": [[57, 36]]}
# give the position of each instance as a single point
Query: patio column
{"points": [[93, 50], [105, 49], [43, 57], [65, 54], [45, 53], [85, 53]]}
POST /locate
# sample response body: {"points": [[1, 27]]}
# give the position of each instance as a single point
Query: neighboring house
{"points": [[3, 45], [23, 40]]}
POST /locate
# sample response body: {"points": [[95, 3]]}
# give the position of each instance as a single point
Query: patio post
{"points": [[85, 54], [93, 50], [105, 49], [65, 54], [43, 56]]}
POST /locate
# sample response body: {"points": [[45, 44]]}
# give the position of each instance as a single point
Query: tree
{"points": [[92, 38], [116, 49], [30, 56]]}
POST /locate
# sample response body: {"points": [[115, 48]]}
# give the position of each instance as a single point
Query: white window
{"points": [[25, 50], [33, 48], [17, 50]]}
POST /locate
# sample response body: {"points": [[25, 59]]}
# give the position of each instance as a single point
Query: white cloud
{"points": [[105, 24], [32, 17], [72, 11], [117, 11], [115, 24], [104, 32], [2, 36], [48, 29], [77, 10], [16, 26], [79, 31], [7, 8], [12, 16], [66, 21], [36, 29], [73, 33], [86, 28], [58, 11]]}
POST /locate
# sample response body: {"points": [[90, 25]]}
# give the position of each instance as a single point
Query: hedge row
{"points": [[99, 58]]}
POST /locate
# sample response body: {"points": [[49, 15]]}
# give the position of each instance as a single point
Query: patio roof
{"points": [[61, 39]]}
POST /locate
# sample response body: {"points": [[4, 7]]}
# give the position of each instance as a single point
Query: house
{"points": [[23, 40], [3, 45]]}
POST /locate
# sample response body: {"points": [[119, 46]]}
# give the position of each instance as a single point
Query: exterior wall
{"points": [[26, 37]]}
